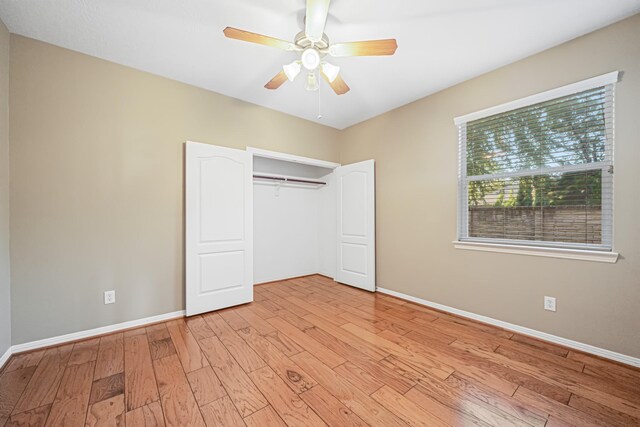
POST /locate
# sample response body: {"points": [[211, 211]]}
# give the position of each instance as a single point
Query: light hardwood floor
{"points": [[312, 352]]}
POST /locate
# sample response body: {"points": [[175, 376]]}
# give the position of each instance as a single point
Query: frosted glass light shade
{"points": [[330, 70], [292, 70]]}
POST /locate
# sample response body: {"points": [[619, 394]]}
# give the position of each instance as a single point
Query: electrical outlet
{"points": [[550, 303], [110, 297]]}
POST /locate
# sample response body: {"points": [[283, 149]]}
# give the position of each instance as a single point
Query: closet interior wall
{"points": [[294, 223]]}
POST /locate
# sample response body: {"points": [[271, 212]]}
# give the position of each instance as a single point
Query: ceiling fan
{"points": [[313, 46]]}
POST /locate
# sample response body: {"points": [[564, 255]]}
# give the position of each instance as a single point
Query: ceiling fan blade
{"points": [[338, 85], [364, 48], [276, 81], [317, 11], [234, 33]]}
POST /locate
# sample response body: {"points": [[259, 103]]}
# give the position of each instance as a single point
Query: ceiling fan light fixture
{"points": [[292, 70], [312, 82], [310, 58], [330, 71]]}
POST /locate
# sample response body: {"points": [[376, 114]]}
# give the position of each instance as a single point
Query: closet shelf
{"points": [[287, 179]]}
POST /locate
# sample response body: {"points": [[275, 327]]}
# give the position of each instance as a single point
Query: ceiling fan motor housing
{"points": [[303, 42]]}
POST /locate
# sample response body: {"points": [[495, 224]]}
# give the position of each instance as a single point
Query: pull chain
{"points": [[319, 85]]}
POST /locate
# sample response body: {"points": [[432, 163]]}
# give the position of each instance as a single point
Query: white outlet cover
{"points": [[110, 297], [550, 303]]}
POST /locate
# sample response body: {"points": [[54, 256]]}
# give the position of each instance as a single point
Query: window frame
{"points": [[537, 248]]}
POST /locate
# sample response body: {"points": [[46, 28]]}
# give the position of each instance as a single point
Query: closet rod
{"points": [[286, 179]]}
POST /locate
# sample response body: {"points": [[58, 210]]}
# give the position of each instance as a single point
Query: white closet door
{"points": [[219, 227], [356, 263]]}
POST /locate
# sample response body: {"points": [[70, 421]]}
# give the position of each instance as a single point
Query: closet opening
{"points": [[294, 211]]}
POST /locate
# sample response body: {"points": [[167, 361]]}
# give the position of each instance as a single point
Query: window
{"points": [[539, 171]]}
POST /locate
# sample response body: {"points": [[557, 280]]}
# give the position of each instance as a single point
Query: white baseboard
{"points": [[5, 357], [93, 332], [607, 354]]}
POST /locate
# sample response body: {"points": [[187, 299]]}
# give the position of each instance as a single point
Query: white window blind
{"points": [[539, 171]]}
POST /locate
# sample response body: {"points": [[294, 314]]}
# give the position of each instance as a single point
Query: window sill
{"points": [[579, 254]]}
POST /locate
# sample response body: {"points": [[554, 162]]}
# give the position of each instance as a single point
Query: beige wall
{"points": [[5, 297], [97, 173], [415, 148]]}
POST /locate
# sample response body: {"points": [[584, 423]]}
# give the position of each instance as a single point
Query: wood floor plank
{"points": [[609, 365], [611, 371], [157, 332], [291, 408], [359, 377], [294, 319], [36, 417], [24, 360], [263, 418], [555, 422], [428, 335], [353, 398], [186, 346], [139, 378], [362, 323], [376, 340], [162, 348], [330, 409], [411, 325], [476, 326], [534, 359], [221, 412], [482, 371], [110, 359], [199, 327], [284, 343], [205, 385], [304, 341], [512, 372], [72, 400], [146, 416], [135, 331], [291, 373], [109, 412], [505, 404], [178, 404], [324, 312], [475, 408], [233, 319], [106, 388], [613, 376], [612, 395], [244, 394], [43, 386], [540, 354], [12, 385], [248, 313], [415, 355], [555, 409], [465, 334], [246, 357], [387, 375], [412, 413], [287, 307], [348, 338], [260, 310], [602, 412], [541, 345], [84, 351]]}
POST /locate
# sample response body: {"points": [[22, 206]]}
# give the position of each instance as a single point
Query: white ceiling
{"points": [[441, 43]]}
